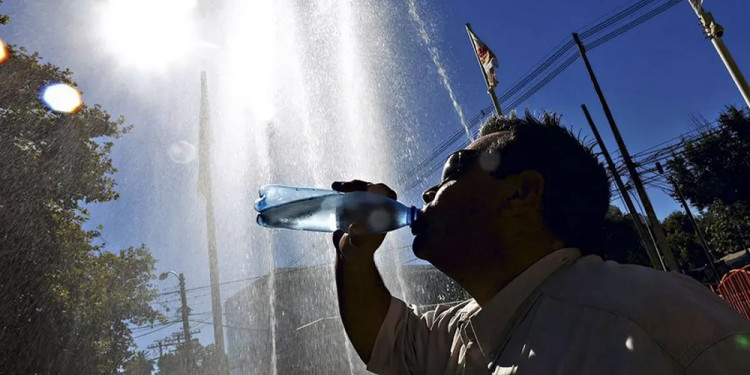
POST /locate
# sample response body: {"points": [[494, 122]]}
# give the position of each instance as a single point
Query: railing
{"points": [[734, 288]]}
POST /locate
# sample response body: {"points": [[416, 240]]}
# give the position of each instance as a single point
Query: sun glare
{"points": [[251, 59], [148, 34], [61, 97], [3, 52]]}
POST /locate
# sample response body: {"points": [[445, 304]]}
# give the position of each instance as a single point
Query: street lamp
{"points": [[185, 311], [164, 275]]}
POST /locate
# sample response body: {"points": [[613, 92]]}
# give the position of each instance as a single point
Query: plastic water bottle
{"points": [[323, 210]]}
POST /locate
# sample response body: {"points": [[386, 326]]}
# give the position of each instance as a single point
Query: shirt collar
{"points": [[491, 323]]}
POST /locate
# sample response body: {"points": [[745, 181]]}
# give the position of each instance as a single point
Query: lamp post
{"points": [[714, 31], [185, 311]]}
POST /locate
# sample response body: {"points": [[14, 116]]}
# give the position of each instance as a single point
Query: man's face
{"points": [[461, 216]]}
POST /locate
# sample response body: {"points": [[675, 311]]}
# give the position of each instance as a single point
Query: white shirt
{"points": [[571, 315]]}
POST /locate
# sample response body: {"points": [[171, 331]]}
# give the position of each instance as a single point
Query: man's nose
{"points": [[429, 194]]}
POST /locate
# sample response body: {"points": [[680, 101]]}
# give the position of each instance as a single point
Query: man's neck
{"points": [[485, 281]]}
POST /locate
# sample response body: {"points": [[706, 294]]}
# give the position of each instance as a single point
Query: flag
{"points": [[487, 60]]}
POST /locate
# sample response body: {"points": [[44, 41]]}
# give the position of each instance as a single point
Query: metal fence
{"points": [[734, 288]]}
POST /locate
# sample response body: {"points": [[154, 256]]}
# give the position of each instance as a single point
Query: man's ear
{"points": [[527, 189]]}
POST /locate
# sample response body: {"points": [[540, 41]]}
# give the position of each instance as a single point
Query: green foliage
{"points": [[621, 241], [727, 227], [712, 174], [204, 360], [65, 302], [716, 165], [139, 364], [683, 240], [3, 17]]}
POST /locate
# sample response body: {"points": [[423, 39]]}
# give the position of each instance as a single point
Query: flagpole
{"points": [[494, 101], [204, 188], [490, 90]]}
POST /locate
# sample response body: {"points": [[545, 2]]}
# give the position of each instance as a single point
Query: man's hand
{"points": [[357, 242], [363, 297]]}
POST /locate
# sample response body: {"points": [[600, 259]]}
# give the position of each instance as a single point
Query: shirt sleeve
{"points": [[401, 345], [730, 355]]}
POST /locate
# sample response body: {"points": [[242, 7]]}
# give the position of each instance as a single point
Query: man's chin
{"points": [[419, 246]]}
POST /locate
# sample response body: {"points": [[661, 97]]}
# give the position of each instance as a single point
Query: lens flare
{"points": [[182, 152], [629, 343], [743, 341], [62, 97], [148, 34], [3, 52]]}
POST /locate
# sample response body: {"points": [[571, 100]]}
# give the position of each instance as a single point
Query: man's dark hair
{"points": [[576, 187]]}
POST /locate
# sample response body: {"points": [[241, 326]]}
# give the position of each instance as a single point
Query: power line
{"points": [[191, 297], [157, 330], [566, 46], [633, 24], [208, 286], [143, 328], [415, 176], [619, 16], [549, 77]]}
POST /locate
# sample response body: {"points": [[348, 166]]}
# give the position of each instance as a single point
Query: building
{"points": [[309, 336]]}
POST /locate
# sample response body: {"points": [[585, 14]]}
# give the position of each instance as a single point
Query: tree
{"points": [[620, 240], [727, 227], [65, 302], [3, 17], [206, 360], [139, 364], [712, 166], [711, 173], [681, 236]]}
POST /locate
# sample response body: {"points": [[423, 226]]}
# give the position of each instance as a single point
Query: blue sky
{"points": [[655, 77]]}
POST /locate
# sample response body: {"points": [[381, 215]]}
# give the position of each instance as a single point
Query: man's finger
{"points": [[357, 229], [349, 186], [382, 189], [337, 240]]}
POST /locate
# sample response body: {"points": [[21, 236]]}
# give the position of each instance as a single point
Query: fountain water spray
{"points": [[435, 55]]}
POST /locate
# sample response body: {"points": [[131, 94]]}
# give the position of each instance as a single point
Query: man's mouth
{"points": [[420, 226]]}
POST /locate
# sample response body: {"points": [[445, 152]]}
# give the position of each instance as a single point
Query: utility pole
{"points": [[704, 243], [714, 31], [642, 233], [157, 345], [175, 340], [658, 232], [185, 313]]}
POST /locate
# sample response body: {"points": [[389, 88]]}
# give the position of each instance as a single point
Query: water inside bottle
{"points": [[332, 210], [306, 214]]}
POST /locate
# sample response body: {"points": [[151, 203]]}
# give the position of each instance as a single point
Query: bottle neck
{"points": [[413, 213]]}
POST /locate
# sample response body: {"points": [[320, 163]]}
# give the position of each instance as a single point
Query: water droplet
{"points": [[182, 152], [62, 97]]}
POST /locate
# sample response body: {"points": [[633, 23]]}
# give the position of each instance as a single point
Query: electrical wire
{"points": [[416, 175], [156, 330]]}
